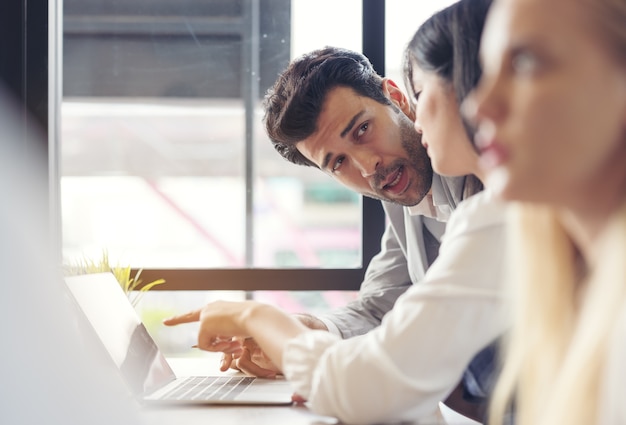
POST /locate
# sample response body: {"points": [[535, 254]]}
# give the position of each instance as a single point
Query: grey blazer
{"points": [[408, 247]]}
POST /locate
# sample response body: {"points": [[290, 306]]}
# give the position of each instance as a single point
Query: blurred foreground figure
{"points": [[49, 374], [551, 116]]}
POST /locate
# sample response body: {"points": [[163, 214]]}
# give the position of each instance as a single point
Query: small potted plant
{"points": [[130, 284]]}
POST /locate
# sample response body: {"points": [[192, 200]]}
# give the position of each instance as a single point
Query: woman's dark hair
{"points": [[293, 105], [448, 44]]}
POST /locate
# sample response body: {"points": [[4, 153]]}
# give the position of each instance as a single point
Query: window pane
{"points": [[164, 160], [402, 19]]}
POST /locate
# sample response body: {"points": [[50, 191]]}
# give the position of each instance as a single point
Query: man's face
{"points": [[369, 147]]}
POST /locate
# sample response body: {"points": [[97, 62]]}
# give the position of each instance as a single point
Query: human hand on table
{"points": [[227, 327], [253, 361]]}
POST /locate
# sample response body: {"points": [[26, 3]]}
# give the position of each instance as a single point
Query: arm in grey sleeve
{"points": [[387, 278]]}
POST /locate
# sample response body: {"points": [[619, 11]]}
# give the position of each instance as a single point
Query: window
{"points": [[165, 165]]}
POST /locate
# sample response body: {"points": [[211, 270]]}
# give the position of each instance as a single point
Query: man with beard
{"points": [[330, 110]]}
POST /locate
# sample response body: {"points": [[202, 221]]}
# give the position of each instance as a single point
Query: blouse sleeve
{"points": [[387, 277], [413, 360]]}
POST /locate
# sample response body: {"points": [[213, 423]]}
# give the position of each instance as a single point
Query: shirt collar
{"points": [[435, 204]]}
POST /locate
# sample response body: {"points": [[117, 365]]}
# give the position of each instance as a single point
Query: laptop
{"points": [[143, 366]]}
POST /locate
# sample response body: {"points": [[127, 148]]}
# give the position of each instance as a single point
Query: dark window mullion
{"points": [[373, 38]]}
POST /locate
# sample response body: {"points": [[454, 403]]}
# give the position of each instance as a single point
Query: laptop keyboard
{"points": [[209, 388]]}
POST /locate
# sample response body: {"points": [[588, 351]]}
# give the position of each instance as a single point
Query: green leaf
{"points": [[151, 285]]}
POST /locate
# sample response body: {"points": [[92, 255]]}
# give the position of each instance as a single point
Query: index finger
{"points": [[192, 316]]}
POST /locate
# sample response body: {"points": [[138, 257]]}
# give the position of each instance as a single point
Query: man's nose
{"points": [[367, 163]]}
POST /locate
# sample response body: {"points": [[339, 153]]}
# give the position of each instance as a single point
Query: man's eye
{"points": [[416, 96], [362, 129], [338, 163]]}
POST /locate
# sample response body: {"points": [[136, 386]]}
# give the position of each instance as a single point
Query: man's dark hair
{"points": [[294, 103]]}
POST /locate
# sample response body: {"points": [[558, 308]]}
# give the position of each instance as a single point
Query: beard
{"points": [[417, 160]]}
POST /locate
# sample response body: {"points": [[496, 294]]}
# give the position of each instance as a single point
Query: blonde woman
{"points": [[551, 116]]}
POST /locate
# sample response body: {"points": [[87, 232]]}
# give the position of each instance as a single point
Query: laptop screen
{"points": [[119, 327]]}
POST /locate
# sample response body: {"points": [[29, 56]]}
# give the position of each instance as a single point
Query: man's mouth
{"points": [[397, 181]]}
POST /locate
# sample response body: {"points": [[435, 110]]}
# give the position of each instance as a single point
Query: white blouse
{"points": [[413, 360]]}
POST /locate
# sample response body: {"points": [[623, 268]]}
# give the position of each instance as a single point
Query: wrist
{"points": [[250, 314], [311, 321]]}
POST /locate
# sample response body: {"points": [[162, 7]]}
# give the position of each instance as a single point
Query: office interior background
{"points": [[151, 112]]}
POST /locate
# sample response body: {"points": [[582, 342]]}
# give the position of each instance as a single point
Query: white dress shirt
{"points": [[413, 360], [435, 204]]}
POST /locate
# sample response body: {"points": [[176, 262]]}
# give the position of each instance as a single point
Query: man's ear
{"points": [[397, 96]]}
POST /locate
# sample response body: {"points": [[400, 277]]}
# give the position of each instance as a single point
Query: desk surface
{"points": [[242, 415]]}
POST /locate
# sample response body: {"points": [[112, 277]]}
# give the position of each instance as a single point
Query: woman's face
{"points": [[551, 105], [438, 119]]}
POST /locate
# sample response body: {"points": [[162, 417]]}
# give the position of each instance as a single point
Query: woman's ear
{"points": [[397, 96]]}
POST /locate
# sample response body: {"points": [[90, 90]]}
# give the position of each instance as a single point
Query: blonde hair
{"points": [[557, 348], [556, 351]]}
